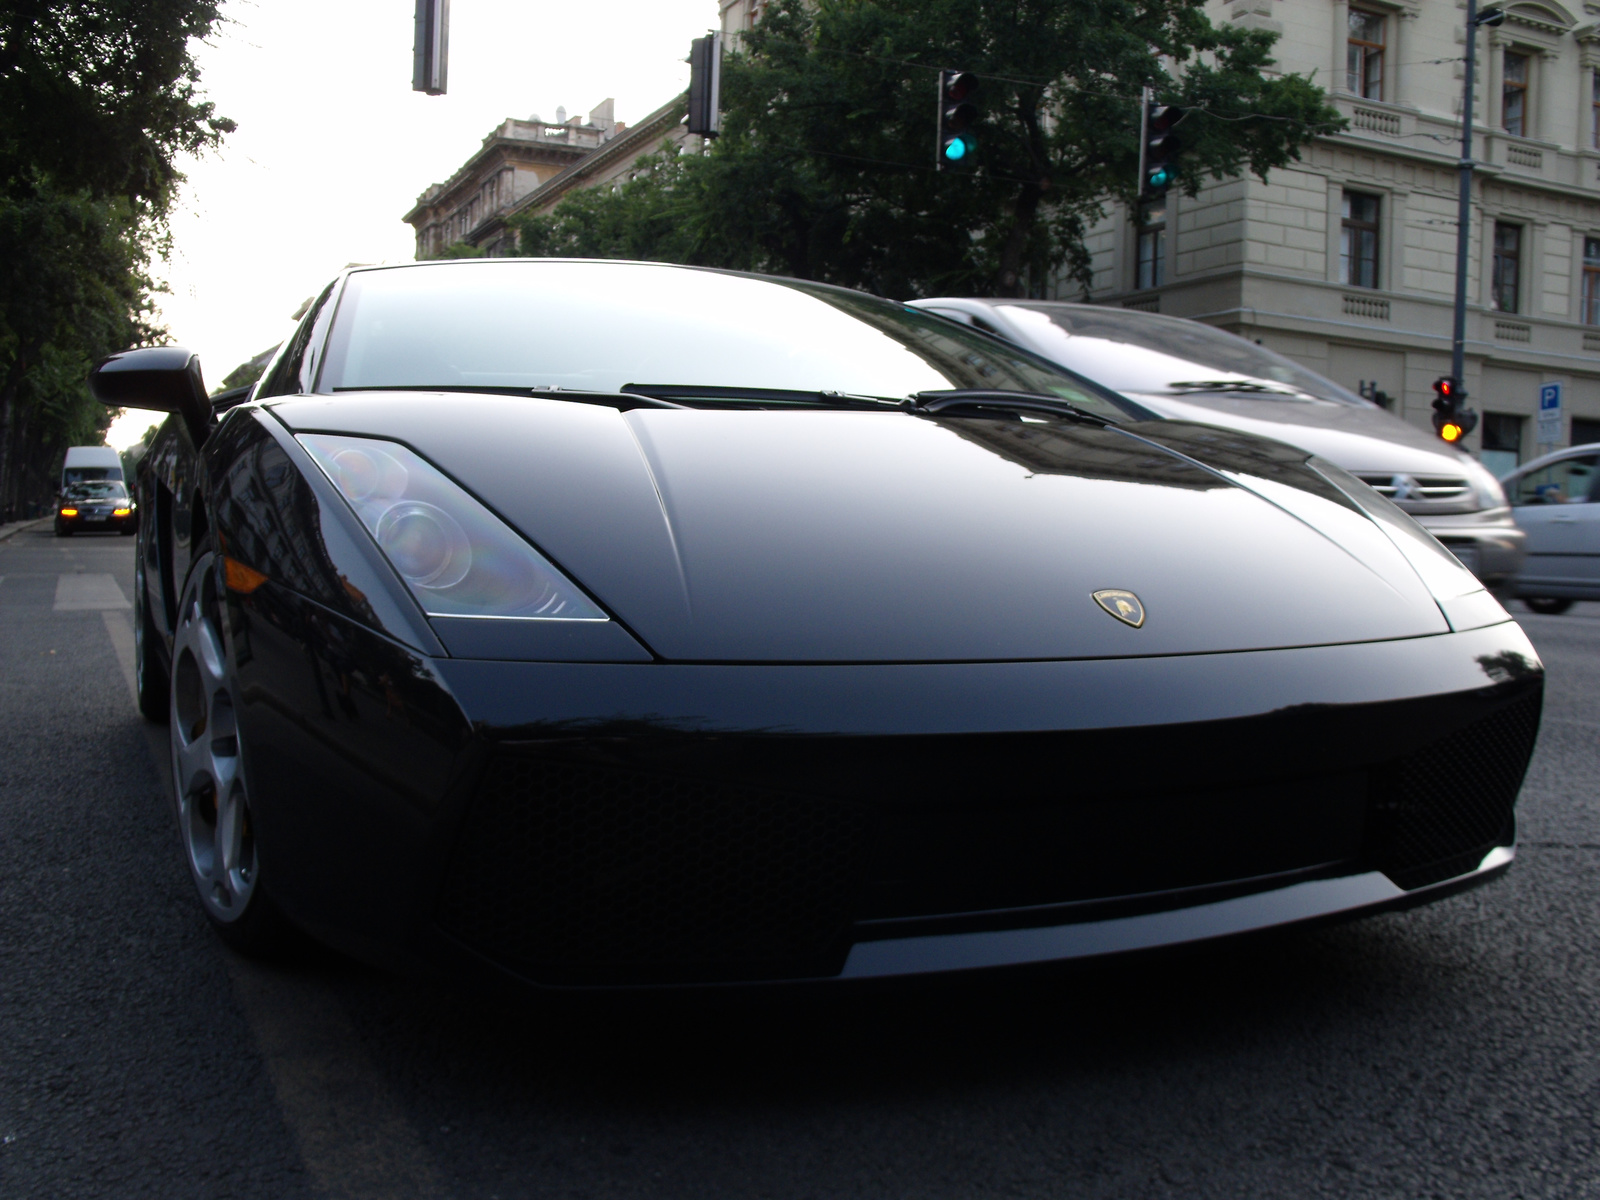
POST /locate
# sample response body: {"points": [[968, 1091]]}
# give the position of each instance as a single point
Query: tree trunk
{"points": [[1015, 254]]}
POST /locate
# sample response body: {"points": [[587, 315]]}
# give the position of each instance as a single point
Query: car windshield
{"points": [[1154, 355], [601, 326], [97, 491]]}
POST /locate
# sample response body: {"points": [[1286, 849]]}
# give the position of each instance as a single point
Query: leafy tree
{"points": [[825, 168], [460, 250], [247, 372], [97, 100]]}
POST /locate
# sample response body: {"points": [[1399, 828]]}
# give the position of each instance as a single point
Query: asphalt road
{"points": [[1448, 1051]]}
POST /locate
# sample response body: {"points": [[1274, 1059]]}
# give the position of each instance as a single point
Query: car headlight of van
{"points": [[457, 558]]}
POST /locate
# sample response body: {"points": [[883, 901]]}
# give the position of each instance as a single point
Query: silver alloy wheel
{"points": [[213, 804]]}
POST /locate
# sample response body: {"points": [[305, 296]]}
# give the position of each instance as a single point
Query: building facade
{"points": [[1346, 260], [514, 161]]}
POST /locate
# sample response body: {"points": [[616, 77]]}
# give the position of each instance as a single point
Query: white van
{"points": [[89, 463]]}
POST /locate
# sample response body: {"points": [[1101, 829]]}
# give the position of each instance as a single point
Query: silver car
{"points": [[1556, 501], [1192, 372]]}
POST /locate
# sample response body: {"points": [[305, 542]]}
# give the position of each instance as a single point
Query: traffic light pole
{"points": [[1144, 143], [1458, 341]]}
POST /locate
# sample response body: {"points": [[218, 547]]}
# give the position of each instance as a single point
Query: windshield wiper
{"points": [[977, 400], [731, 396], [623, 400]]}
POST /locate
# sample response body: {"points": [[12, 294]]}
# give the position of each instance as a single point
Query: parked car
{"points": [[1556, 501], [102, 507], [604, 623], [1193, 372]]}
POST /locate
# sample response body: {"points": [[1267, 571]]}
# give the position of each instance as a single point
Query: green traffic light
{"points": [[955, 149], [1160, 178]]}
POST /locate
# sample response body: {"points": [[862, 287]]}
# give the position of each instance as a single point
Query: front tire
{"points": [[215, 821], [1549, 606]]}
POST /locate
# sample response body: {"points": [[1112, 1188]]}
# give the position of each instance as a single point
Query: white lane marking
{"points": [[76, 593], [355, 1140], [121, 632]]}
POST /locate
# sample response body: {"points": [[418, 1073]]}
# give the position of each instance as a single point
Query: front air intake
{"points": [[574, 870], [1440, 809]]}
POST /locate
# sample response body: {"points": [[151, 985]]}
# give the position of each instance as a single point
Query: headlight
{"points": [[1485, 486], [69, 512], [120, 512], [458, 558]]}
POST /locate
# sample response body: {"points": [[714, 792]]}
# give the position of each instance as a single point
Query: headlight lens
{"points": [[458, 558]]}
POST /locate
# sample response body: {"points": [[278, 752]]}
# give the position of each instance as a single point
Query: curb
{"points": [[19, 526]]}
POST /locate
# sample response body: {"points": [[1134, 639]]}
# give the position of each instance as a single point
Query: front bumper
{"points": [[1488, 543], [611, 824], [90, 522]]}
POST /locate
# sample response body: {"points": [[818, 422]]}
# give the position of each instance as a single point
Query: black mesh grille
{"points": [[573, 869], [1440, 810]]}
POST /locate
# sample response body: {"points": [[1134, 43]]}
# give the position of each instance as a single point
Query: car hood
{"points": [[825, 536], [1364, 441]]}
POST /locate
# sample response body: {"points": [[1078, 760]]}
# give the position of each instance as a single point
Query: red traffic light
{"points": [[1446, 388], [958, 85]]}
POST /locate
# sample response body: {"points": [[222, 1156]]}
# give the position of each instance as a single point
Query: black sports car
{"points": [[99, 505], [597, 623]]}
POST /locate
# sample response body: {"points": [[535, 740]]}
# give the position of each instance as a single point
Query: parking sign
{"points": [[1550, 414]]}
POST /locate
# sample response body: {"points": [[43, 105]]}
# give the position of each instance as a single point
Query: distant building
{"points": [[1346, 260], [513, 162]]}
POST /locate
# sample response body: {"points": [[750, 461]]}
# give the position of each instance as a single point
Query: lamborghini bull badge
{"points": [[1124, 606]]}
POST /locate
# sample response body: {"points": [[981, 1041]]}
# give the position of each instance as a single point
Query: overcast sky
{"points": [[333, 146]]}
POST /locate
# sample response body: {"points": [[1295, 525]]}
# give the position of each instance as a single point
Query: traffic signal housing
{"points": [[705, 85], [1158, 149], [1451, 421], [430, 49], [957, 145]]}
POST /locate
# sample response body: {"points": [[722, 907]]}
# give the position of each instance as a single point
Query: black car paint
{"points": [[366, 741]]}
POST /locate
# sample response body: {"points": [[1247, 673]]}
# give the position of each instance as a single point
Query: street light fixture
{"points": [[1489, 17]]}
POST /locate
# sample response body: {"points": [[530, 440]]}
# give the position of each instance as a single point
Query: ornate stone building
{"points": [[1346, 261], [514, 161]]}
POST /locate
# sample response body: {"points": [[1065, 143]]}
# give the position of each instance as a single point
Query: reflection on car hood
{"points": [[859, 536], [1361, 440]]}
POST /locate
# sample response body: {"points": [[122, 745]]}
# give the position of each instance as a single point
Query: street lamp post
{"points": [[1458, 342]]}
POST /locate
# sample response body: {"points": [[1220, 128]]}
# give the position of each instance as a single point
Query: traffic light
{"points": [[430, 48], [957, 146], [1451, 421], [1158, 149], [705, 85]]}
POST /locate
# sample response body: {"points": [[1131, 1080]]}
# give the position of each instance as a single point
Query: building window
{"points": [[1358, 244], [1364, 55], [1585, 430], [1594, 106], [1502, 442], [1514, 94], [1150, 264], [1507, 266], [1591, 281]]}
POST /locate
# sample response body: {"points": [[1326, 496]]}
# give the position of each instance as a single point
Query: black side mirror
{"points": [[165, 378]]}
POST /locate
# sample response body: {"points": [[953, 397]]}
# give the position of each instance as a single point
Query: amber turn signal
{"points": [[241, 578]]}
